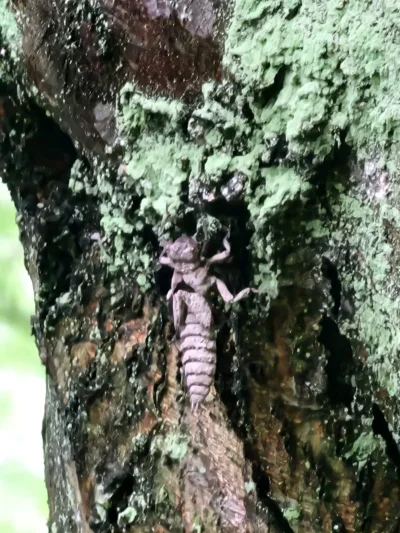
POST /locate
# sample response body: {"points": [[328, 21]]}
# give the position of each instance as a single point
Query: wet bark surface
{"points": [[79, 54], [280, 445]]}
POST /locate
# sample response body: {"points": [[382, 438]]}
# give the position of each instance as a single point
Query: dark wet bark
{"points": [[78, 54]]}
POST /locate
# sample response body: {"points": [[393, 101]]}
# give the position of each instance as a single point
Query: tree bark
{"points": [[153, 119]]}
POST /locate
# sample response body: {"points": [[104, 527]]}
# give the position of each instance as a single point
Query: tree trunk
{"points": [[124, 123]]}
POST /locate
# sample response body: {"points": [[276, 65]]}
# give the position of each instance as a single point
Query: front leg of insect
{"points": [[179, 311], [166, 261], [221, 256], [176, 279]]}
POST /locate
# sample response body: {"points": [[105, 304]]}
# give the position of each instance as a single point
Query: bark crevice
{"points": [[380, 426]]}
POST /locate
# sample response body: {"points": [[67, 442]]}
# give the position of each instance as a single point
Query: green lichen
{"points": [[363, 228], [165, 157], [279, 186], [127, 516], [312, 74], [317, 75], [173, 445], [337, 63], [375, 288], [197, 525], [292, 514], [158, 178], [9, 30], [250, 487], [364, 447], [138, 113], [10, 42]]}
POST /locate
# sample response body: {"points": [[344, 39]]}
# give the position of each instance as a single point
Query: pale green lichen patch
{"points": [[9, 30], [138, 113], [218, 113], [319, 74], [173, 150], [158, 177], [10, 42], [364, 447], [279, 186], [127, 516], [375, 287], [292, 514], [146, 191], [361, 229], [337, 63], [173, 445]]}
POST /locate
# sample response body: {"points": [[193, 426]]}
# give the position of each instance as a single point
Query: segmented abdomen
{"points": [[196, 344]]}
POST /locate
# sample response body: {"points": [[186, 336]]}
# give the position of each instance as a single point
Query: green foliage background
{"points": [[23, 501]]}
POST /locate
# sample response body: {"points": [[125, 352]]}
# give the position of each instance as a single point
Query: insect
{"points": [[192, 313]]}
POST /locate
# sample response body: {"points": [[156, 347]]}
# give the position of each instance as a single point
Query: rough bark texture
{"points": [[150, 119]]}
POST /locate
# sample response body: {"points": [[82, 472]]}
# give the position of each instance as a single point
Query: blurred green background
{"points": [[23, 499]]}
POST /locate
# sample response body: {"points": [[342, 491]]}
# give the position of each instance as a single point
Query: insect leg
{"points": [[227, 296], [166, 261], [222, 256], [179, 311], [176, 278]]}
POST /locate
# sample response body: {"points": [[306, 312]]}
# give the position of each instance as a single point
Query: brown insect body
{"points": [[192, 313]]}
